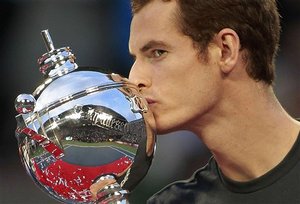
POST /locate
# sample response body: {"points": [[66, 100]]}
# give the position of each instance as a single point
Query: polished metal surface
{"points": [[82, 126], [56, 62]]}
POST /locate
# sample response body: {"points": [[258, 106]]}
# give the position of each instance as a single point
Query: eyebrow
{"points": [[151, 44]]}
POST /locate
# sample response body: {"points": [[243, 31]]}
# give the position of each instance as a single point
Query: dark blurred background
{"points": [[97, 32]]}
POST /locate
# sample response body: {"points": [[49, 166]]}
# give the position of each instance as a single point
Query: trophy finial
{"points": [[55, 62], [47, 39]]}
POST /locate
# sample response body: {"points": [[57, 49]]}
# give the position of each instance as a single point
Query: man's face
{"points": [[180, 88]]}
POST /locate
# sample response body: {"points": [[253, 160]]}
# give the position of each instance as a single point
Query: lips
{"points": [[150, 101]]}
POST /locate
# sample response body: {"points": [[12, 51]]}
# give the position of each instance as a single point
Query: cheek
{"points": [[193, 100], [186, 93], [206, 99]]}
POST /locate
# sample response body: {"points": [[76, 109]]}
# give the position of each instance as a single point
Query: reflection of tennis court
{"points": [[71, 176], [94, 156]]}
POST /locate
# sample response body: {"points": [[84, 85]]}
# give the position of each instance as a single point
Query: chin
{"points": [[165, 129], [165, 125]]}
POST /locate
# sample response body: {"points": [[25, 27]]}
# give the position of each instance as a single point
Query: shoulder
{"points": [[188, 190]]}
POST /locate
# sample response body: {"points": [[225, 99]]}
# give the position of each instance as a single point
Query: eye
{"points": [[158, 53]]}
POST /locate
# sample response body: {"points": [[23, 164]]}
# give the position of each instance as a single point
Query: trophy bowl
{"points": [[82, 126]]}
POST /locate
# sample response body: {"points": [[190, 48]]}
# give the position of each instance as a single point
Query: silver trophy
{"points": [[82, 126]]}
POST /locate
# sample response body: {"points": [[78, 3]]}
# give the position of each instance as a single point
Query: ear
{"points": [[229, 44]]}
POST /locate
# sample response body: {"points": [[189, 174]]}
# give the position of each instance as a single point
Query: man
{"points": [[208, 66]]}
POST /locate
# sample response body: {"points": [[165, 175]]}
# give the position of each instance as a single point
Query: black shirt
{"points": [[281, 185]]}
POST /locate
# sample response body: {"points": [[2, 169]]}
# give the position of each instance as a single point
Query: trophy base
{"points": [[110, 191]]}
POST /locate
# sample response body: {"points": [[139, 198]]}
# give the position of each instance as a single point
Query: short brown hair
{"points": [[257, 23]]}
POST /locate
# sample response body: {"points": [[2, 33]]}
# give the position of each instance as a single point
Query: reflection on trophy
{"points": [[82, 126]]}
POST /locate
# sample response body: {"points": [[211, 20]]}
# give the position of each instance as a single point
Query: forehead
{"points": [[156, 21]]}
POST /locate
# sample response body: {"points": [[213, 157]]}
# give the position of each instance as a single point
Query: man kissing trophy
{"points": [[81, 127]]}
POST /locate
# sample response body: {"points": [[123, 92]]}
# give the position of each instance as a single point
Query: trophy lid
{"points": [[65, 79]]}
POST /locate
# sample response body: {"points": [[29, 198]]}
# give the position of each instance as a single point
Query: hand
{"points": [[99, 185]]}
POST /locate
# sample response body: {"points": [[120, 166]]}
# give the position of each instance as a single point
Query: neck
{"points": [[249, 133]]}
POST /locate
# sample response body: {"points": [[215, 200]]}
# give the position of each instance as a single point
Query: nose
{"points": [[139, 76]]}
